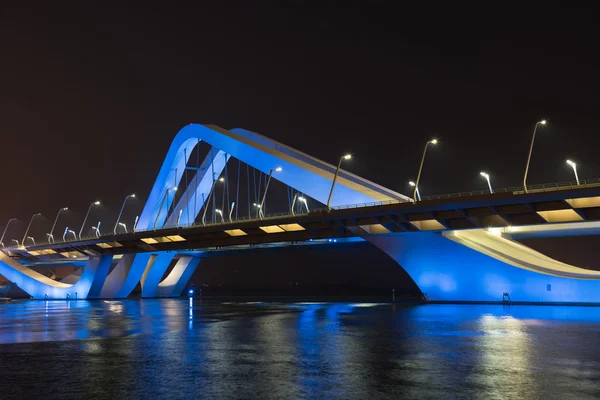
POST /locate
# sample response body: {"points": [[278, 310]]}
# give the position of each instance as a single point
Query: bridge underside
{"points": [[482, 269]]}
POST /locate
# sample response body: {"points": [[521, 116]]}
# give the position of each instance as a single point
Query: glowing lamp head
{"points": [[65, 209], [221, 179], [543, 122], [97, 203], [278, 169], [132, 195], [347, 156], [219, 211], [571, 163], [301, 198], [484, 174], [174, 188], [434, 141], [411, 183]]}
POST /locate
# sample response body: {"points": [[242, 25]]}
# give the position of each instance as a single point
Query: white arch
{"points": [[300, 171]]}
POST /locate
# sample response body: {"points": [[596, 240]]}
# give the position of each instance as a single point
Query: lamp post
{"points": [[96, 203], [293, 204], [487, 178], [5, 229], [179, 218], [121, 212], [411, 183], [303, 199], [542, 122], [137, 217], [51, 234], [30, 238], [257, 209], [161, 205], [97, 229], [574, 166], [262, 201], [66, 232], [434, 141], [221, 214], [337, 171], [29, 226], [212, 189], [231, 210], [124, 226]]}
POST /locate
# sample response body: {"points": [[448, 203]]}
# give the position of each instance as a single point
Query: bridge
{"points": [[459, 247]]}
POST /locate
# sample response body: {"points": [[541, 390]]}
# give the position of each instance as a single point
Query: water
{"points": [[167, 349]]}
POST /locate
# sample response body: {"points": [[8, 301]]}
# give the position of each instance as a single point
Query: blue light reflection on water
{"points": [[177, 349]]}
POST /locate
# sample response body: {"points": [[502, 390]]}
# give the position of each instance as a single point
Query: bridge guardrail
{"points": [[548, 187]]}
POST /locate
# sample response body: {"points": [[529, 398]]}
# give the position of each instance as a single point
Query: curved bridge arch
{"points": [[299, 170]]}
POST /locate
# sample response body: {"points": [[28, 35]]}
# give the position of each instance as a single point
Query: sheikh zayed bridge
{"points": [[461, 247]]}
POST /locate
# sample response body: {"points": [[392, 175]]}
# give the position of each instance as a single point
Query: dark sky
{"points": [[93, 93]]}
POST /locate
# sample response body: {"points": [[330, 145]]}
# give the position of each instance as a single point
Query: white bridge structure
{"points": [[455, 249]]}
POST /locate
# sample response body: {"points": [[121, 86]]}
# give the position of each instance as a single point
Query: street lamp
{"points": [[262, 201], [51, 234], [231, 210], [411, 183], [574, 166], [337, 171], [542, 122], [5, 229], [121, 212], [97, 229], [220, 213], [124, 226], [487, 177], [303, 199], [96, 203], [178, 218], [434, 141], [135, 222], [257, 209], [66, 232], [29, 226], [30, 238]]}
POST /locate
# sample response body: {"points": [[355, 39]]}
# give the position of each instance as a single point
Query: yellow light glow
{"points": [[149, 240], [176, 238], [291, 227], [235, 232], [271, 229]]}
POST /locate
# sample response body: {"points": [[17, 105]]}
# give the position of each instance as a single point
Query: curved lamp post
{"points": [[221, 214], [487, 178], [411, 183], [337, 171], [29, 226], [434, 141], [30, 238], [542, 122], [574, 166], [97, 229], [51, 234], [96, 203], [121, 212], [5, 229]]}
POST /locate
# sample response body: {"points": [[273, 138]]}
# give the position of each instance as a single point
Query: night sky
{"points": [[93, 93]]}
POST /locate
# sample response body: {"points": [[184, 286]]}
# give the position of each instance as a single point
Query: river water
{"points": [[174, 349]]}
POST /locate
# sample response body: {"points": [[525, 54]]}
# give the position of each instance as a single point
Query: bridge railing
{"points": [[546, 187]]}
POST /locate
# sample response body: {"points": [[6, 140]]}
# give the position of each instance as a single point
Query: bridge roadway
{"points": [[501, 210]]}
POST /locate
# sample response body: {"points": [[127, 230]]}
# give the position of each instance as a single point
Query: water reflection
{"points": [[191, 348]]}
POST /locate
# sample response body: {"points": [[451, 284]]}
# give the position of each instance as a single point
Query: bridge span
{"points": [[454, 248]]}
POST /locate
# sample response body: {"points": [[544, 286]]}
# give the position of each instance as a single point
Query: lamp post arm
{"points": [[337, 171]]}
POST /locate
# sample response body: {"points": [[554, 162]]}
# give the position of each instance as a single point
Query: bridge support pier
{"points": [[445, 270], [175, 282]]}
